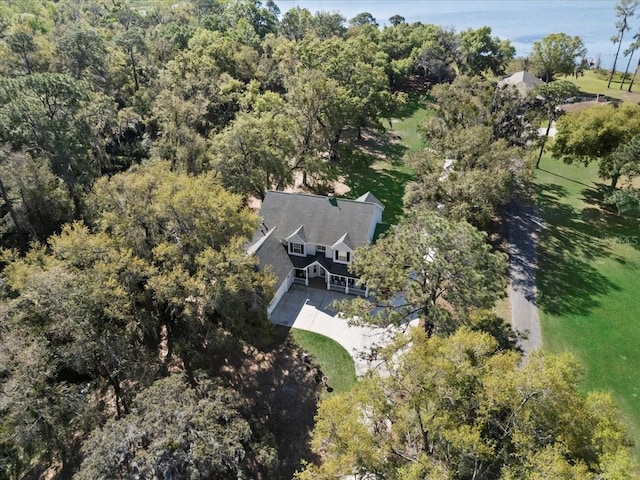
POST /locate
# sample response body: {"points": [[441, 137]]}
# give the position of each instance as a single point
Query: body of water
{"points": [[521, 21]]}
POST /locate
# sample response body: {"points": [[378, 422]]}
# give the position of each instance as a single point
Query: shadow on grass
{"points": [[570, 241], [280, 399], [382, 145], [614, 227], [563, 177], [387, 184], [415, 102]]}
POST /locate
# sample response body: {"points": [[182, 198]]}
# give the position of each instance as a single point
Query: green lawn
{"points": [[334, 361], [595, 83], [410, 119], [378, 164], [588, 279]]}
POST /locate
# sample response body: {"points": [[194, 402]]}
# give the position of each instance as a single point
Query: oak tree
{"points": [[431, 268], [459, 408], [594, 134], [556, 54], [174, 430]]}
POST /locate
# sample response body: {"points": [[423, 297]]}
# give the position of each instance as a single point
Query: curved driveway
{"points": [[310, 309]]}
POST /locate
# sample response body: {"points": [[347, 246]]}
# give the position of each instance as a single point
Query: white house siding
{"points": [[377, 218], [282, 289], [341, 247], [299, 241]]}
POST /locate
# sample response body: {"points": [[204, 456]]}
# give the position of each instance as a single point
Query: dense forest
{"points": [[134, 339]]}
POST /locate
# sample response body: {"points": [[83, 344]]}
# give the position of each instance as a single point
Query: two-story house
{"points": [[311, 239]]}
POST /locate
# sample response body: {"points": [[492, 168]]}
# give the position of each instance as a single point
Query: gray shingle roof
{"points": [[324, 220], [270, 251], [371, 198], [523, 81]]}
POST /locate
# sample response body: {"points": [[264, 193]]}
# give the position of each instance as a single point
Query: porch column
{"points": [[346, 285], [327, 279], [306, 277]]}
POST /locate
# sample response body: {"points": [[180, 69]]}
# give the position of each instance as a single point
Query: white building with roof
{"points": [[311, 239]]}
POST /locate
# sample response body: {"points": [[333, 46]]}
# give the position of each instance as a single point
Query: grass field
{"points": [[588, 271], [595, 83], [378, 165], [148, 4], [334, 361]]}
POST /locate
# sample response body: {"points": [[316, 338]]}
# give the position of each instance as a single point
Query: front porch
{"points": [[318, 276]]}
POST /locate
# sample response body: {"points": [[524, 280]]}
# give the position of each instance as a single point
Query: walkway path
{"points": [[552, 131], [309, 309], [523, 224]]}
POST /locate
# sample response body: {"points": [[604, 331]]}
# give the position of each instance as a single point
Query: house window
{"points": [[296, 248], [321, 248], [342, 256]]}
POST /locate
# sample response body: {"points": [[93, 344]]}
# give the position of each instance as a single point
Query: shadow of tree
{"points": [[522, 250], [415, 101], [569, 243], [563, 177], [382, 145], [280, 399], [613, 226], [387, 184]]}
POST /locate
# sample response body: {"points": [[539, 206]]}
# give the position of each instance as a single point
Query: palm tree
{"points": [[630, 51], [624, 10], [634, 76], [550, 96]]}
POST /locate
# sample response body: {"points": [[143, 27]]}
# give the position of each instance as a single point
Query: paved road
{"points": [[523, 224], [309, 309]]}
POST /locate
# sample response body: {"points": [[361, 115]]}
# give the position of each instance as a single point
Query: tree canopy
{"points": [[594, 134], [173, 431], [133, 135], [430, 268], [161, 278], [458, 408], [556, 54]]}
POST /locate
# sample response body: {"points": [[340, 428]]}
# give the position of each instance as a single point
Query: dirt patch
{"points": [[338, 187], [576, 107]]}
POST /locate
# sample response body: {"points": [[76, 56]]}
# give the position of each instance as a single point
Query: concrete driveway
{"points": [[309, 309]]}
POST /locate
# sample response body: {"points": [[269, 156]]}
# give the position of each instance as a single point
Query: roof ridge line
{"points": [[342, 199]]}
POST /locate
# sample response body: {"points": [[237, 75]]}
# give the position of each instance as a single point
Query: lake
{"points": [[521, 21]]}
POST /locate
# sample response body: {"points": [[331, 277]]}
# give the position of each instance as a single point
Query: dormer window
{"points": [[296, 248], [341, 256]]}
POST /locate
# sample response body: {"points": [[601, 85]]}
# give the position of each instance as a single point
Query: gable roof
{"points": [[344, 239], [325, 219], [299, 232], [270, 251], [371, 198], [523, 81]]}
